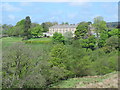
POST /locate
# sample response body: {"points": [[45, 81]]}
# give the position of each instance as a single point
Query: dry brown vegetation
{"points": [[110, 82]]}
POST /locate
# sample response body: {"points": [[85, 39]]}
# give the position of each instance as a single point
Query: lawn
{"points": [[37, 48], [8, 41]]}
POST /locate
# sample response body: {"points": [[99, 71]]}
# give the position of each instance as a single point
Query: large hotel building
{"points": [[65, 28]]}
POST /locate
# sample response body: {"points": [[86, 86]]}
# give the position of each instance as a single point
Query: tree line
{"points": [[26, 29]]}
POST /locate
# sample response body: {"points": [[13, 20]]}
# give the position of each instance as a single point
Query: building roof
{"points": [[64, 26]]}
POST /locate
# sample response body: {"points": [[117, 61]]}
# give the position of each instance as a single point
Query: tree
{"points": [[105, 63], [9, 32], [81, 30], [66, 23], [45, 27], [100, 27], [49, 24], [68, 37], [114, 32], [21, 67], [57, 37], [58, 55], [26, 28], [113, 42], [16, 65], [89, 23], [7, 29], [78, 61], [36, 31], [58, 62], [63, 23], [19, 28], [55, 23], [34, 25], [102, 39], [89, 42]]}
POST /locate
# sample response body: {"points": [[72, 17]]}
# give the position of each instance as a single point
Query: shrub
{"points": [[68, 37], [57, 73], [113, 42], [57, 37], [35, 80], [106, 64], [79, 62], [41, 42], [58, 55], [58, 62]]}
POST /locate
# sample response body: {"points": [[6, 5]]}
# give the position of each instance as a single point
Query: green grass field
{"points": [[8, 41]]}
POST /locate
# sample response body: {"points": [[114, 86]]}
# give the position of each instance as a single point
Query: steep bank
{"points": [[105, 81]]}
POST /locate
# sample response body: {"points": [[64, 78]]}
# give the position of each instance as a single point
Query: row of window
{"points": [[63, 29], [60, 30]]}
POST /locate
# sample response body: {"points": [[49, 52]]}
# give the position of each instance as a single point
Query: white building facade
{"points": [[67, 28], [62, 29]]}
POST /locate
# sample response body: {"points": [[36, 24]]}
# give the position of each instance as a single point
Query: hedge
{"points": [[42, 42]]}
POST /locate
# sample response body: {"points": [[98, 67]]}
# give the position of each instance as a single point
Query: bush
{"points": [[106, 64], [57, 73], [113, 42], [58, 55], [58, 62], [41, 42], [68, 37], [79, 61], [57, 37], [35, 80]]}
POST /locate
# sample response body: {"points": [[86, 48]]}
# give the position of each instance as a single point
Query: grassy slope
{"points": [[106, 81]]}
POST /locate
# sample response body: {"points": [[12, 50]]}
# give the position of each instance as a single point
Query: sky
{"points": [[71, 12]]}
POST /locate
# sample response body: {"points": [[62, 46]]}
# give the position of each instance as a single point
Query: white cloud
{"points": [[11, 17], [10, 8]]}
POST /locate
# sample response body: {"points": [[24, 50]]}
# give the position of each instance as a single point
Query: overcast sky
{"points": [[72, 12]]}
